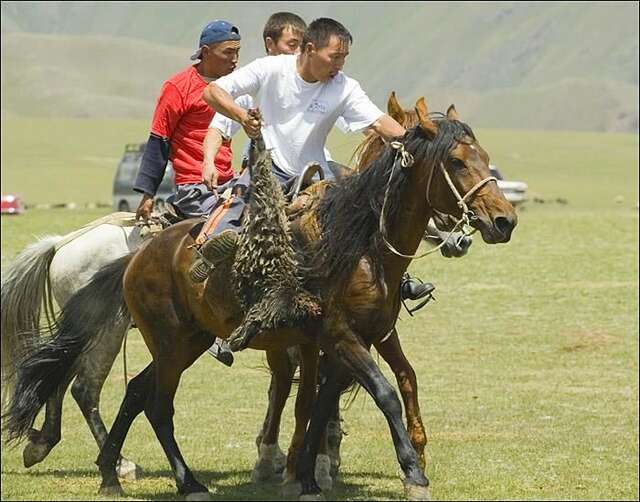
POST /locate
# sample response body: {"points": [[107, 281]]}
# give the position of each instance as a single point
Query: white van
{"points": [[124, 198], [514, 191]]}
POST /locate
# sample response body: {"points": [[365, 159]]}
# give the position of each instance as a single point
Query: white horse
{"points": [[55, 267]]}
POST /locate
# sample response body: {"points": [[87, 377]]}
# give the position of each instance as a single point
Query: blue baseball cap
{"points": [[214, 32]]}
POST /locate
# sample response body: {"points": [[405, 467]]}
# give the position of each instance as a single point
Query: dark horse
{"points": [[284, 363], [360, 236]]}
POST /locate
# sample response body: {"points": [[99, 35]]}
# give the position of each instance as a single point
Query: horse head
{"points": [[455, 172]]}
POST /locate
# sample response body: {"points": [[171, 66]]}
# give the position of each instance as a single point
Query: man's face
{"points": [[326, 62], [223, 56], [288, 43]]}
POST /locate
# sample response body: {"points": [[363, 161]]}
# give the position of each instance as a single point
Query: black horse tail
{"points": [[90, 312]]}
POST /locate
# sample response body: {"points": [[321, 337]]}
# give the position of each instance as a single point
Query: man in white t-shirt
{"points": [[300, 98], [282, 34]]}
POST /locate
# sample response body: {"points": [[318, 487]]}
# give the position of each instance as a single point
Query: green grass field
{"points": [[527, 361]]}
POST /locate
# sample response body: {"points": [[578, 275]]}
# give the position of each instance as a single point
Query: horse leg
{"points": [[304, 402], [334, 439], [392, 353], [42, 442], [86, 389], [330, 443], [335, 382], [322, 472], [139, 390], [362, 366], [276, 364], [160, 413], [271, 459]]}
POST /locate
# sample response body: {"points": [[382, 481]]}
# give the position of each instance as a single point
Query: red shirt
{"points": [[183, 117]]}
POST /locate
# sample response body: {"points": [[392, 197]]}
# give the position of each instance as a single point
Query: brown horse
{"points": [[359, 235], [283, 364]]}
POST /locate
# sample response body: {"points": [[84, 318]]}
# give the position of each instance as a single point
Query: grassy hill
{"points": [[560, 65], [95, 76]]}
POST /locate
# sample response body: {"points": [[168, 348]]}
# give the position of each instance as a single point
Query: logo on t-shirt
{"points": [[317, 106]]}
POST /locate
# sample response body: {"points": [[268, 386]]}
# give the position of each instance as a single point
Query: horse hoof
{"points": [[199, 496], [262, 471], [34, 453], [291, 489], [323, 473], [271, 461], [325, 483], [111, 491], [311, 496], [126, 469], [416, 492], [279, 462]]}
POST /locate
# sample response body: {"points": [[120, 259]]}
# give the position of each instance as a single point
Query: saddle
{"points": [[302, 181], [159, 221], [307, 191], [305, 179]]}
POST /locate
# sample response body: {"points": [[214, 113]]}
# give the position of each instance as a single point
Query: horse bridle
{"points": [[467, 214], [405, 159]]}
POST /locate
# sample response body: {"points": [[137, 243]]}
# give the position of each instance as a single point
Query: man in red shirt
{"points": [[180, 124], [178, 129]]}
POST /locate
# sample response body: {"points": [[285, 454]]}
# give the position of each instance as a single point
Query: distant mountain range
{"points": [[557, 65]]}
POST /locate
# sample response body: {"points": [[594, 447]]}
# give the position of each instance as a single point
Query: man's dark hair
{"points": [[278, 22], [320, 31]]}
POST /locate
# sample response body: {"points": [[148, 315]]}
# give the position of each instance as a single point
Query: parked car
{"points": [[514, 191], [124, 198], [11, 204]]}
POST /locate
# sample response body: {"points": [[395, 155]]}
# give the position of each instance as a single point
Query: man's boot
{"points": [[414, 289], [217, 249], [221, 351]]}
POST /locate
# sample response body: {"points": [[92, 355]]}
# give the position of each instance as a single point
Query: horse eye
{"points": [[457, 163]]}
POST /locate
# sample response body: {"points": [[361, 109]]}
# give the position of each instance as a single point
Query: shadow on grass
{"points": [[352, 485]]}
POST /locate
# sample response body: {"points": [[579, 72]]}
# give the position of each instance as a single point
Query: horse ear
{"points": [[452, 113], [395, 110], [423, 117]]}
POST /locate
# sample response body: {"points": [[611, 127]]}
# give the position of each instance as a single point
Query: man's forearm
{"points": [[222, 102], [152, 167], [212, 143], [388, 128]]}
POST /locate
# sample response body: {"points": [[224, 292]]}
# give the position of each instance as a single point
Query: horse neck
{"points": [[407, 229]]}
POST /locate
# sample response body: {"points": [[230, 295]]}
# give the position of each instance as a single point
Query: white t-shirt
{"points": [[298, 115], [229, 128]]}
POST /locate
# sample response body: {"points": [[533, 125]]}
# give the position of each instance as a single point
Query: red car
{"points": [[11, 204]]}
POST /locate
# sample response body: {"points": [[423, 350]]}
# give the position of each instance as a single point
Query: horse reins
{"points": [[405, 159]]}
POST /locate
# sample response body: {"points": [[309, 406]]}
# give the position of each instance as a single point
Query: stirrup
{"points": [[201, 267], [200, 270]]}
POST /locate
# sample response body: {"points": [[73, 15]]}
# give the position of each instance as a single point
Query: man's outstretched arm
{"points": [[388, 128]]}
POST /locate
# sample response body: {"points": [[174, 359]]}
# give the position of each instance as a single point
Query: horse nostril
{"points": [[503, 225]]}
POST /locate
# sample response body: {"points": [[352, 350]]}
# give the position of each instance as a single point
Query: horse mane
{"points": [[349, 212]]}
